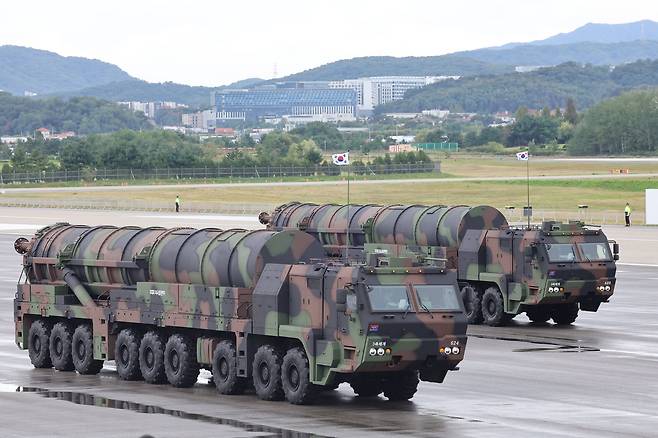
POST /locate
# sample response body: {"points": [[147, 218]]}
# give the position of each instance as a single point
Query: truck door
{"points": [[335, 318]]}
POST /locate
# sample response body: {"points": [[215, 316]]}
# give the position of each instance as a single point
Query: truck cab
{"points": [[551, 271]]}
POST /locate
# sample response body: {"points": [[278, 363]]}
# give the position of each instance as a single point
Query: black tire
{"points": [[82, 351], [126, 354], [493, 308], [181, 366], [38, 340], [539, 314], [366, 385], [266, 373], [151, 358], [225, 369], [60, 347], [296, 378], [401, 386], [472, 304], [565, 314]]}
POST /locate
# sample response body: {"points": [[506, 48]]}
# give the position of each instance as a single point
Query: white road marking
{"points": [[637, 264]]}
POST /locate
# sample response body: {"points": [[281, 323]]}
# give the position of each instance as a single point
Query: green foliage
{"points": [[491, 147], [325, 135], [539, 130], [26, 69], [550, 87], [622, 125], [419, 157], [84, 115]]}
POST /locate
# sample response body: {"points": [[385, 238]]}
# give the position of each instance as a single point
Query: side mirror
{"points": [[615, 249], [616, 257]]}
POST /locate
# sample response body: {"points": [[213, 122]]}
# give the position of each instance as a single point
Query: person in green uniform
{"points": [[177, 203], [627, 214]]}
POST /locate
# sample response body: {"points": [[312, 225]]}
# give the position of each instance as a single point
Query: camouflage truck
{"points": [[253, 307], [547, 271]]}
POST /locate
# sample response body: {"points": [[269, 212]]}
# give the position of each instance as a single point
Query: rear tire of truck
{"points": [[82, 351], [181, 366], [151, 358], [565, 314], [472, 304], [266, 373], [366, 386], [296, 378], [493, 308], [37, 344], [539, 314], [126, 354], [401, 386], [60, 347], [225, 369]]}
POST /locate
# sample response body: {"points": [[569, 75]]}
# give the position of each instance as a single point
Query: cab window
{"points": [[388, 298], [561, 252], [595, 252], [437, 297]]}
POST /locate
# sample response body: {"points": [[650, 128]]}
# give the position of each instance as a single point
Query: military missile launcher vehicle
{"points": [[547, 271], [253, 307]]}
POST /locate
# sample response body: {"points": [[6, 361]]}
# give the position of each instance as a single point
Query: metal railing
{"points": [[183, 173], [589, 217]]}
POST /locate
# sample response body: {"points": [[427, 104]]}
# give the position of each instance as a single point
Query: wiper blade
{"points": [[426, 309], [406, 311]]}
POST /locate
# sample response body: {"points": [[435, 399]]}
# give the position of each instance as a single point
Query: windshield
{"points": [[388, 298], [560, 252], [595, 251], [437, 297]]}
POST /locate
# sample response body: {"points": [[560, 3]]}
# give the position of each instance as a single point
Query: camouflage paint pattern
{"points": [[253, 287], [479, 242]]}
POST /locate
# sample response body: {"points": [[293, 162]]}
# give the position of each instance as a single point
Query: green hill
{"points": [[84, 115], [550, 87], [39, 71]]}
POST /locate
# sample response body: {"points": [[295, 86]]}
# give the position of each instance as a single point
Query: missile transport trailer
{"points": [[549, 271], [254, 307]]}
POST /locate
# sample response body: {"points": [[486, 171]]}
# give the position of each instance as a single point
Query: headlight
{"points": [[607, 288], [448, 350], [455, 350]]}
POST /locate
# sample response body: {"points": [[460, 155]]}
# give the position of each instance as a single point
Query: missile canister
{"points": [[127, 255]]}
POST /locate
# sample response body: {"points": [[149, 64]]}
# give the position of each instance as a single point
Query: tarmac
{"points": [[597, 378]]}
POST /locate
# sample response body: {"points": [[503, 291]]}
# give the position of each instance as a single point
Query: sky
{"points": [[217, 42]]}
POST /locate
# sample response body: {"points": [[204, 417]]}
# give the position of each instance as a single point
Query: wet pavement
{"points": [[598, 378]]}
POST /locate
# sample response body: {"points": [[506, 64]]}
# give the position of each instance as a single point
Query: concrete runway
{"points": [[598, 378]]}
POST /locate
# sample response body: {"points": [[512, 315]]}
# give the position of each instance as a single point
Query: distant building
{"points": [[13, 139], [62, 135], [378, 90], [200, 119], [297, 105], [149, 108], [399, 139], [395, 148], [439, 114], [45, 132]]}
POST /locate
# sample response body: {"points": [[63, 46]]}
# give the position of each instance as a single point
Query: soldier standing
{"points": [[627, 214], [177, 203]]}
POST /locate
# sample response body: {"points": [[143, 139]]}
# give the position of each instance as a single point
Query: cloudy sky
{"points": [[216, 42]]}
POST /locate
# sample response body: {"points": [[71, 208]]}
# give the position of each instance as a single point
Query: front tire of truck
{"points": [[37, 344], [401, 386], [266, 373], [472, 304], [225, 369], [365, 385], [296, 377], [565, 314], [181, 366], [493, 308], [539, 314], [126, 354], [83, 351], [151, 358], [60, 347]]}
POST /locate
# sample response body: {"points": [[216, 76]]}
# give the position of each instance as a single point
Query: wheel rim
{"points": [[174, 360], [149, 358], [491, 307], [293, 377], [81, 350], [124, 355], [59, 347], [223, 369], [264, 373]]}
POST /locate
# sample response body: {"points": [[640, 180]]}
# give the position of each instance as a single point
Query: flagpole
{"points": [[527, 180], [347, 226]]}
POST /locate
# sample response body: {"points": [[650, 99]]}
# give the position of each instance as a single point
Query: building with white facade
{"points": [[378, 90]]}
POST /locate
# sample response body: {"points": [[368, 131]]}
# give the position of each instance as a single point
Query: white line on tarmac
{"points": [[637, 264]]}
